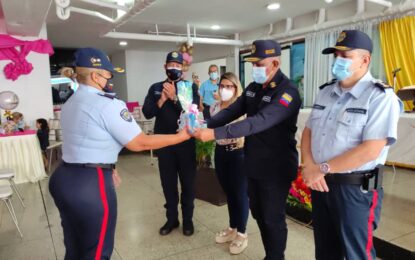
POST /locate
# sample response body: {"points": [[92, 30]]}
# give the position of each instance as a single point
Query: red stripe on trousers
{"points": [[371, 219], [103, 195]]}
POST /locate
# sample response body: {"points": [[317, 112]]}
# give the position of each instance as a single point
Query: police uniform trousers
{"points": [[344, 220], [178, 162], [267, 200], [87, 204]]}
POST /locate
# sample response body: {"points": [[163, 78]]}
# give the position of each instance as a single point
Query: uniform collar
{"points": [[357, 90], [90, 89], [276, 80]]}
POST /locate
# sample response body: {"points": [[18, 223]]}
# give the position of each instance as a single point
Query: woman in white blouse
{"points": [[229, 157]]}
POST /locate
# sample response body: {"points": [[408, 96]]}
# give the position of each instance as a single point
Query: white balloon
{"points": [[8, 100]]}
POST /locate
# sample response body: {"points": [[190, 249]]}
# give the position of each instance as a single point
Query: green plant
{"points": [[204, 153]]}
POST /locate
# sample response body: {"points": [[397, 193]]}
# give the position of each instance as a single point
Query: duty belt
{"points": [[91, 165]]}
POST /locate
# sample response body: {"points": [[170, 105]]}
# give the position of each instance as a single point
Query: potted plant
{"points": [[299, 200], [207, 186]]}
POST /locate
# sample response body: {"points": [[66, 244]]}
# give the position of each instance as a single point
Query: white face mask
{"points": [[226, 94]]}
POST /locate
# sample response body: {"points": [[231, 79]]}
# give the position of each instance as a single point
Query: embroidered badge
{"points": [[319, 107], [286, 99], [356, 110], [126, 115], [157, 92], [266, 99], [250, 94]]}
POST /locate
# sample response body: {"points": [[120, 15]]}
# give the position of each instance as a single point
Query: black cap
{"points": [[94, 58], [174, 56], [262, 49], [350, 40]]}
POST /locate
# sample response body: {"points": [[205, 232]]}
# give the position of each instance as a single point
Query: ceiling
{"points": [[234, 16]]}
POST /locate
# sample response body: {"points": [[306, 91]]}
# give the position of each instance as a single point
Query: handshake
{"points": [[192, 125]]}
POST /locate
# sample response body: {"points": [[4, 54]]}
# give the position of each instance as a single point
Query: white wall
{"points": [[120, 80], [143, 68], [33, 90]]}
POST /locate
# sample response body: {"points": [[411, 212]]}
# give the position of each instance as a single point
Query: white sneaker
{"points": [[239, 244], [225, 235]]}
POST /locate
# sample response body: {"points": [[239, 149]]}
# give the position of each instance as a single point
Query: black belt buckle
{"points": [[373, 179]]}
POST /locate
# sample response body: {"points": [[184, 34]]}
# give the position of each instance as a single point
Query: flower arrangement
{"points": [[299, 194]]}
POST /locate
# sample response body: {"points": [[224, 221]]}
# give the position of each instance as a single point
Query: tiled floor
{"points": [[141, 213]]}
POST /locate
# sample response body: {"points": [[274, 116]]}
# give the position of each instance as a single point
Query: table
{"points": [[21, 152], [402, 153]]}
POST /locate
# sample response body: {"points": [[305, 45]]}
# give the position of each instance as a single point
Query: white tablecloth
{"points": [[23, 155], [402, 153]]}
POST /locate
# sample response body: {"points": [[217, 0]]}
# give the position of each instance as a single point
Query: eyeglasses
{"points": [[226, 86]]}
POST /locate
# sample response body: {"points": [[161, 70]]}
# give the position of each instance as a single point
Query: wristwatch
{"points": [[175, 99], [324, 168]]}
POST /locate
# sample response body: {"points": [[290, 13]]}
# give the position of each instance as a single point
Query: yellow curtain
{"points": [[397, 38]]}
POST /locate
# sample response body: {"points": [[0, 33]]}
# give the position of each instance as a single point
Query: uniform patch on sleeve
{"points": [[126, 115], [285, 99]]}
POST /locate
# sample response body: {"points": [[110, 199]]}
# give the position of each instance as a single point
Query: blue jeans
{"points": [[229, 165]]}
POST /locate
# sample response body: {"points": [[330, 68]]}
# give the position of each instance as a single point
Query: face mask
{"points": [[259, 74], [340, 68], [213, 75], [226, 94], [174, 73], [108, 87]]}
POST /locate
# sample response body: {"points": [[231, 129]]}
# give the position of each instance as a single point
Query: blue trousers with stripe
{"points": [[344, 220], [87, 204]]}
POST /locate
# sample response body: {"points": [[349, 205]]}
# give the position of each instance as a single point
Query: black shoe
{"points": [[188, 229], [168, 227]]}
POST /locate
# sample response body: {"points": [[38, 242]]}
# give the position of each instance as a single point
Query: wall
{"points": [[120, 80], [33, 90], [143, 68]]}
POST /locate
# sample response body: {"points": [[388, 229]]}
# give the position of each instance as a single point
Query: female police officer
{"points": [[95, 126]]}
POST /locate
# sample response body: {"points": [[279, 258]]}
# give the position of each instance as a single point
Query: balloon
{"points": [[8, 100]]}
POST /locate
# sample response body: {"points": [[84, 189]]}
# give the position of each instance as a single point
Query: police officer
{"points": [[177, 161], [96, 125], [272, 104], [350, 129]]}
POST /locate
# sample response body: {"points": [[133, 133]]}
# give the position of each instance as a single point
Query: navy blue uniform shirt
{"points": [[169, 113], [270, 127]]}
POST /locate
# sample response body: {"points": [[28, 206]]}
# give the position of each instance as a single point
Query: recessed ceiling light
{"points": [[123, 43], [329, 1], [273, 6], [215, 27]]}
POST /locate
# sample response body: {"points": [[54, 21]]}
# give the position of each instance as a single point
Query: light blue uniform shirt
{"points": [[341, 120], [206, 92], [95, 127]]}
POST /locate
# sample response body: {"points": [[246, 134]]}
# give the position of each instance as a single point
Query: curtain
{"points": [[397, 38], [317, 69]]}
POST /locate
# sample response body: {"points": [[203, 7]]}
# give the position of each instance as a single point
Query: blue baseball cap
{"points": [[350, 40], [174, 56], [96, 59], [262, 49]]}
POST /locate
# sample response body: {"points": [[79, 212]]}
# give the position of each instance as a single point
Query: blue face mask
{"points": [[259, 74], [340, 68], [213, 75]]}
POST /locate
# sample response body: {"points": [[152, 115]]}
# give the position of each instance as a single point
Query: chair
{"points": [[5, 195], [51, 148], [8, 174]]}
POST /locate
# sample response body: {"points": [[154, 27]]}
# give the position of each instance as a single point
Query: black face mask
{"points": [[108, 87], [174, 74]]}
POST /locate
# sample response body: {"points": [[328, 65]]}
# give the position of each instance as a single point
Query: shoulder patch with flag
{"points": [[286, 99]]}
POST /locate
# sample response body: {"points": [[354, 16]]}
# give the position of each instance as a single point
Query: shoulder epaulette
{"points": [[331, 82], [382, 85], [108, 95]]}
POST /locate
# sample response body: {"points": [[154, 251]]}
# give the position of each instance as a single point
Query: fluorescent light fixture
{"points": [[273, 6], [123, 43], [215, 27]]}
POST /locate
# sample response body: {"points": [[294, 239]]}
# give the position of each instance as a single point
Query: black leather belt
{"points": [[346, 178], [91, 165]]}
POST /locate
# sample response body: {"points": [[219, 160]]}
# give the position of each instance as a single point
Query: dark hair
{"points": [[43, 124]]}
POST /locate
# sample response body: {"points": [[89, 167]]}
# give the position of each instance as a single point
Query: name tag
{"points": [[250, 94], [157, 92], [319, 107], [266, 99], [356, 110]]}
